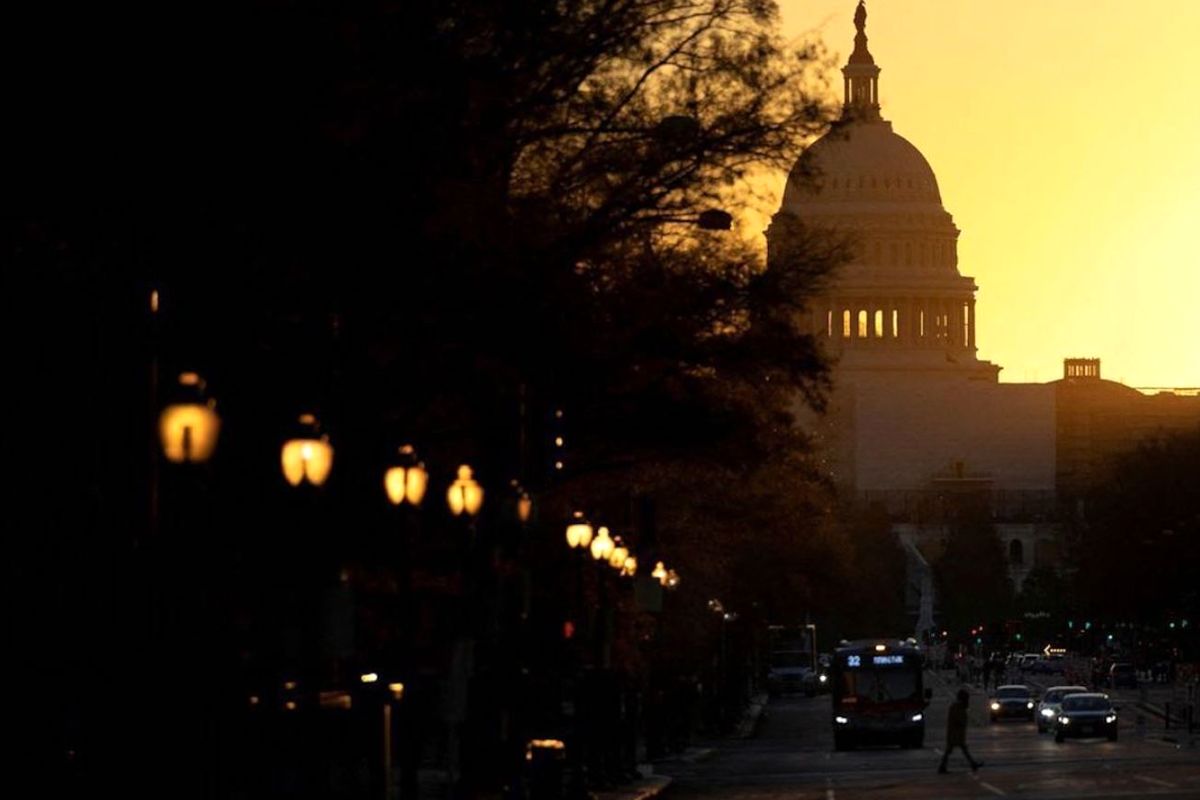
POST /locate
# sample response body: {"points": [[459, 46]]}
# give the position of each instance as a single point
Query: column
{"points": [[971, 326]]}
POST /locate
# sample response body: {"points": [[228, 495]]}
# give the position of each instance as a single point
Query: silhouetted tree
{"points": [[1141, 531], [973, 586]]}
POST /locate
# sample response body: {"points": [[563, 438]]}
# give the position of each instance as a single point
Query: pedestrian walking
{"points": [[956, 731]]}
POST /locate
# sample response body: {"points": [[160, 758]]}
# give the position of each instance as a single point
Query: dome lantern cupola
{"points": [[861, 75]]}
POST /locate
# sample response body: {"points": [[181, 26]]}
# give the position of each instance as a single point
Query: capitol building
{"points": [[915, 416]]}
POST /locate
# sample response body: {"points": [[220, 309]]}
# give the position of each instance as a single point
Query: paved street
{"points": [[792, 756]]}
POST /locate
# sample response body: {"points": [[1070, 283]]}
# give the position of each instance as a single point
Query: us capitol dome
{"points": [[901, 303]]}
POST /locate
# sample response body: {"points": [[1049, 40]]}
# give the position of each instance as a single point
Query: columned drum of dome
{"points": [[901, 302]]}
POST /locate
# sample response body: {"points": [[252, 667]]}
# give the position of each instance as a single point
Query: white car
{"points": [[1050, 705]]}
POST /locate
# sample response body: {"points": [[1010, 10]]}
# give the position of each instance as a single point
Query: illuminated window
{"points": [[921, 327], [878, 324], [862, 324], [846, 324], [895, 324], [829, 323], [966, 330]]}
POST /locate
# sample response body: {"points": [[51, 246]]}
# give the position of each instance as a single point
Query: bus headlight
{"points": [[1064, 720], [840, 720], [823, 678], [995, 706], [1029, 705], [918, 717]]}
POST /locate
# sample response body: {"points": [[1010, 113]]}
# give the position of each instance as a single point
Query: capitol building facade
{"points": [[915, 416]]}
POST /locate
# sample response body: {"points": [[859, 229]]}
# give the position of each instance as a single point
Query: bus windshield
{"points": [[880, 685]]}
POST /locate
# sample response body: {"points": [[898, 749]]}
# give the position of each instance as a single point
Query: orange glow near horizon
{"points": [[1064, 139]]}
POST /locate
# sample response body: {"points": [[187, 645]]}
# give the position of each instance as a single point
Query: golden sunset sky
{"points": [[1065, 135]]}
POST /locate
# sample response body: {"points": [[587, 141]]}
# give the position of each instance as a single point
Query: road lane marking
{"points": [[1154, 781], [988, 786]]}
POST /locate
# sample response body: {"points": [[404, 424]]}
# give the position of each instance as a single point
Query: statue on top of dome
{"points": [[860, 16]]}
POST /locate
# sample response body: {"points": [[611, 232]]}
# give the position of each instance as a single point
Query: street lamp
{"points": [[602, 545], [465, 495], [524, 503], [619, 553], [308, 456], [579, 531], [189, 425], [629, 568], [660, 573], [406, 481]]}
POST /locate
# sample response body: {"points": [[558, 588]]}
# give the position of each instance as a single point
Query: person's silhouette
{"points": [[956, 731]]}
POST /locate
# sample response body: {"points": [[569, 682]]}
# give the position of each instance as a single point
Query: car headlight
{"points": [[840, 720], [823, 678], [1110, 719], [918, 717], [995, 706], [1029, 705], [1047, 712], [1064, 720]]}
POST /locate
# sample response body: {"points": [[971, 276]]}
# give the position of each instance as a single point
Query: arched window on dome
{"points": [[862, 323], [878, 323], [829, 323], [895, 323], [846, 323], [1016, 552], [895, 253], [921, 323], [908, 254]]}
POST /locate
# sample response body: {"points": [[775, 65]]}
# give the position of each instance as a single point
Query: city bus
{"points": [[878, 693]]}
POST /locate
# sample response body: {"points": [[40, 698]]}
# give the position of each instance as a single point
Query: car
{"points": [[1011, 700], [1046, 710], [1091, 714], [1122, 675]]}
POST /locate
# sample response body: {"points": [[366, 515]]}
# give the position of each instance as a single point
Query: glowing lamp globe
{"points": [[579, 532], [405, 482], [465, 495], [308, 456], [602, 545], [619, 553], [189, 425]]}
